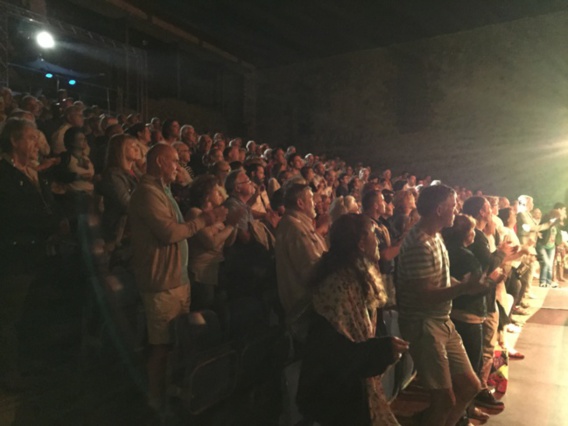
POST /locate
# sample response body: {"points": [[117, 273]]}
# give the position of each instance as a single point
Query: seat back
{"points": [[398, 376]]}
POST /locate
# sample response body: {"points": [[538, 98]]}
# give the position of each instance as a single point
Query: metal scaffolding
{"points": [[3, 48], [135, 60]]}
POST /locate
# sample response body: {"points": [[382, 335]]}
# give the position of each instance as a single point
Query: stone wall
{"points": [[486, 108]]}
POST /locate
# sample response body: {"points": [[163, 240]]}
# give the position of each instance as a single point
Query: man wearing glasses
{"points": [[240, 189]]}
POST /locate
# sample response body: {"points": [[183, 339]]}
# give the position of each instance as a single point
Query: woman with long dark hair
{"points": [[340, 378]]}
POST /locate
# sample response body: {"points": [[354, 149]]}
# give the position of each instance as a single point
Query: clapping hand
{"points": [[218, 214], [399, 346], [474, 283]]}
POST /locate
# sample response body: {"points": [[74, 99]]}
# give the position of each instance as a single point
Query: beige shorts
{"points": [[161, 308], [437, 351]]}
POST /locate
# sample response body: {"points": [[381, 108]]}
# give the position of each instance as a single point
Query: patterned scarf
{"points": [[340, 300]]}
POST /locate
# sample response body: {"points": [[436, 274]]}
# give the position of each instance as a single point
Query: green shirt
{"points": [[182, 244]]}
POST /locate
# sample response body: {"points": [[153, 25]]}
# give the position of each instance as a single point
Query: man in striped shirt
{"points": [[424, 293]]}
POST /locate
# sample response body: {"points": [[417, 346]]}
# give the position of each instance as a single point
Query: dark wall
{"points": [[208, 89], [486, 108]]}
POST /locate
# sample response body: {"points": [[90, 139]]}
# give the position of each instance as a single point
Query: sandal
{"points": [[516, 355], [517, 310]]}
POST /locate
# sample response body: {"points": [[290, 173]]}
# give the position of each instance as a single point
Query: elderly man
{"points": [[160, 257], [188, 136], [240, 190], [298, 248], [251, 148], [156, 123]]}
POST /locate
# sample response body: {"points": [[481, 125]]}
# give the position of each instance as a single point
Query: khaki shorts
{"points": [[437, 351], [161, 308]]}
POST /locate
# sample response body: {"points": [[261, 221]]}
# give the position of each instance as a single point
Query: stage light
{"points": [[45, 40], [49, 75], [72, 82]]}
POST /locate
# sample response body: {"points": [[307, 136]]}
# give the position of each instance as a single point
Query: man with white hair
{"points": [[188, 136], [527, 226], [298, 248], [160, 257], [251, 147]]}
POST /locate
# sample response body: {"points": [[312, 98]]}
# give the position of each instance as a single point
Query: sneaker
{"points": [[544, 285], [513, 328], [476, 414], [486, 399], [553, 284]]}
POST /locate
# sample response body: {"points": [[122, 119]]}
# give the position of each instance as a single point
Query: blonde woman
{"points": [[117, 184], [343, 205]]}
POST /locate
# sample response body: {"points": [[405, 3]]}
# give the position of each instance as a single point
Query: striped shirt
{"points": [[422, 257]]}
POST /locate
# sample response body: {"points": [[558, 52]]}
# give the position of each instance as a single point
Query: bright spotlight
{"points": [[72, 82], [49, 75], [45, 40]]}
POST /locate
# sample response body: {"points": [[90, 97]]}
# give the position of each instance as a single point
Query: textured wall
{"points": [[486, 108]]}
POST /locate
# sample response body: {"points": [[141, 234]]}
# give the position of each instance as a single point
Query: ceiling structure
{"points": [[269, 33]]}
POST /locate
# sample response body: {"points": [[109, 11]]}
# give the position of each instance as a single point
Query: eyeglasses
{"points": [[244, 182]]}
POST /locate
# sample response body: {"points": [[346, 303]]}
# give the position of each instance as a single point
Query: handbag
{"points": [[499, 377]]}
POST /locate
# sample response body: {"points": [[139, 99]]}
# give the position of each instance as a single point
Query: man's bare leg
{"points": [[465, 387]]}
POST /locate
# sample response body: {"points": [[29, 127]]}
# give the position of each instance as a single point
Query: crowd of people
{"points": [[324, 247]]}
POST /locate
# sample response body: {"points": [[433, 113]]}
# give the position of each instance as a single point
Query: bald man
{"points": [[160, 257]]}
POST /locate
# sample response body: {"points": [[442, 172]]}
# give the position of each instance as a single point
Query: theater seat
{"points": [[398, 376], [202, 367]]}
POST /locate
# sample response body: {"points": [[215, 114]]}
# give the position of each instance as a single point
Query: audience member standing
{"points": [[298, 248], [27, 220], [160, 256], [425, 295], [374, 206], [73, 118], [340, 382], [117, 185], [206, 247], [479, 208]]}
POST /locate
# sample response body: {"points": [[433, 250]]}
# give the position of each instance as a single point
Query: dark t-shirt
{"points": [[462, 262], [488, 261]]}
